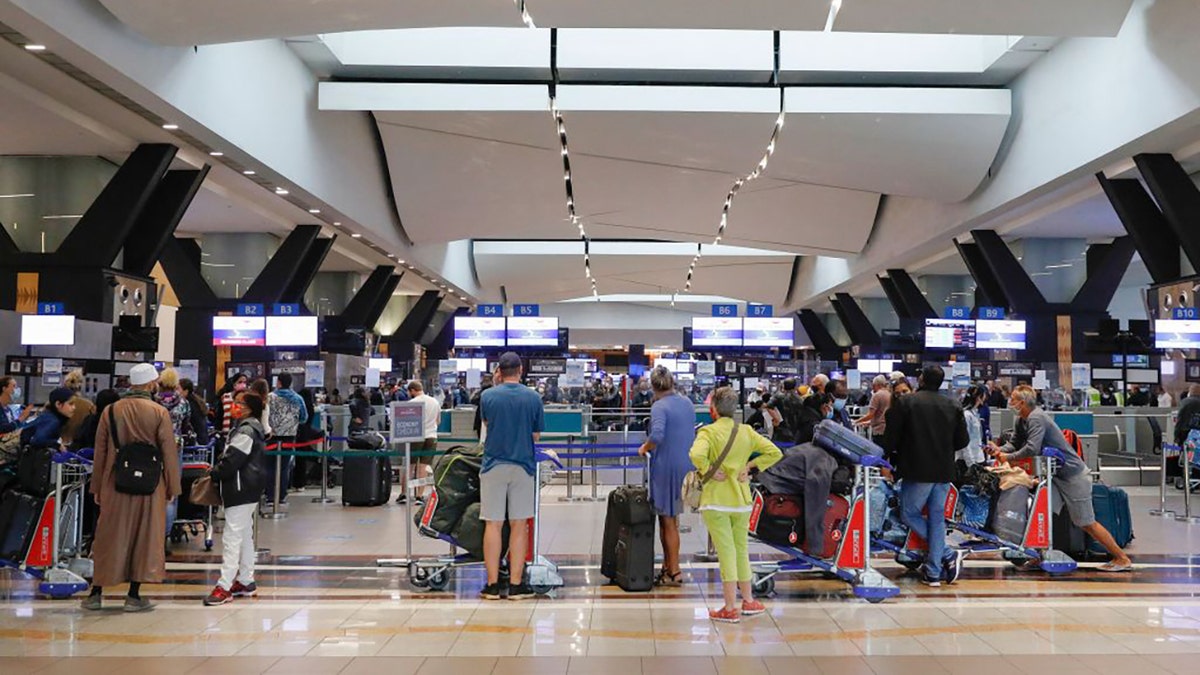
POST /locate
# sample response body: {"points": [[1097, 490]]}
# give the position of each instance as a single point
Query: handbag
{"points": [[693, 482], [10, 446], [204, 492]]}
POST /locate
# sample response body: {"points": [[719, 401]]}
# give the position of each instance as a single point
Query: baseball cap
{"points": [[142, 373], [509, 361]]}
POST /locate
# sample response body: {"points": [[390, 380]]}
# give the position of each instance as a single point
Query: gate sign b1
{"points": [[760, 310], [1185, 313], [724, 310], [991, 313], [957, 313], [51, 308], [408, 422]]}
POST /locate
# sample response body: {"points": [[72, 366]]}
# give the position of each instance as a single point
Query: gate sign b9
{"points": [[724, 310], [995, 313], [957, 313], [1185, 313]]}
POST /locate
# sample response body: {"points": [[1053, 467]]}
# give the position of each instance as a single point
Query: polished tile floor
{"points": [[327, 608]]}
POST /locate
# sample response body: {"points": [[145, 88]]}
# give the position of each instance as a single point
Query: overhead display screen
{"points": [[949, 334], [47, 330], [532, 331], [239, 331], [1176, 334], [717, 331], [292, 331], [767, 332], [479, 331], [999, 334], [383, 365]]}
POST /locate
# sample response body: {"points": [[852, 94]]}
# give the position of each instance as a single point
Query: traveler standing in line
{"points": [[1164, 399], [876, 416], [515, 421], [83, 407], [925, 432], [45, 431], [431, 416], [725, 500], [231, 389], [128, 546], [197, 412], [1138, 397], [841, 396], [973, 402], [241, 471], [1188, 417], [1072, 481], [179, 410], [784, 409], [670, 438], [817, 384], [360, 411], [9, 421], [285, 412]]}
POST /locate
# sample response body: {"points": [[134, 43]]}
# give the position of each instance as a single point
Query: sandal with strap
{"points": [[668, 579]]}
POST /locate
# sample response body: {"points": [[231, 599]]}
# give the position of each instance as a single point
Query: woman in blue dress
{"points": [[672, 431]]}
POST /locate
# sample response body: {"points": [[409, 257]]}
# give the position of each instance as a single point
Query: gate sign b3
{"points": [[724, 310], [957, 313], [1185, 313]]}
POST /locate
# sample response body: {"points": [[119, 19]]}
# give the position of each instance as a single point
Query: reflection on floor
{"points": [[325, 597]]}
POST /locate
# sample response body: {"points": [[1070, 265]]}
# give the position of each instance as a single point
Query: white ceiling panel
{"points": [[744, 14], [1066, 18], [34, 124], [627, 54], [188, 22]]}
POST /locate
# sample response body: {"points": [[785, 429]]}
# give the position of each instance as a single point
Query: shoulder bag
{"points": [[693, 482], [139, 465]]}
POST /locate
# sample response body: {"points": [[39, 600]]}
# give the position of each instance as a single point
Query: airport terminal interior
{"points": [[310, 311]]}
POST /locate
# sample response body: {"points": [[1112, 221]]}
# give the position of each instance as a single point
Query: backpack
{"points": [[139, 465]]}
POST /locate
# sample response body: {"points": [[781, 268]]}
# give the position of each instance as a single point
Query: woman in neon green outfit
{"points": [[725, 501]]}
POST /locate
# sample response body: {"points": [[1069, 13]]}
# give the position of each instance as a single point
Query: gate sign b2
{"points": [[957, 313], [995, 313], [724, 310], [760, 310], [1185, 313]]}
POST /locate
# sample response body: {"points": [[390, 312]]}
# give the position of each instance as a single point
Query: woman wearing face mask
{"points": [[973, 453], [9, 392], [232, 388], [816, 407]]}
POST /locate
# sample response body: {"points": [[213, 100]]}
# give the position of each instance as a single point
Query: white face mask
{"points": [[16, 394]]}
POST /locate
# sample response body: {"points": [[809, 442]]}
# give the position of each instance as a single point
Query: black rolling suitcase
{"points": [[635, 557], [366, 481], [19, 514], [627, 505]]}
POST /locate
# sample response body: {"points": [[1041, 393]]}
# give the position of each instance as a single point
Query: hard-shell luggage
{"points": [[19, 514], [627, 505], [366, 481], [635, 557], [1112, 511], [1012, 514], [843, 442], [33, 471], [455, 487], [186, 509], [837, 514]]}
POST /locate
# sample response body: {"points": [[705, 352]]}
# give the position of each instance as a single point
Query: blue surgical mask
{"points": [[839, 403], [16, 395], [829, 415]]}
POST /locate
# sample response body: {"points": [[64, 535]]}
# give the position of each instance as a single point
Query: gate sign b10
{"points": [[992, 313], [1185, 313], [957, 313], [724, 310]]}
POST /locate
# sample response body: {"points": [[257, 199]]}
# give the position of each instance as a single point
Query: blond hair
{"points": [[168, 378], [74, 380]]}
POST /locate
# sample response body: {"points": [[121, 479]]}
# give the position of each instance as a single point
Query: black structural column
{"points": [[1104, 277], [1023, 295], [99, 235], [987, 288], [283, 267], [893, 296], [1156, 240], [180, 259], [857, 324], [1178, 197], [912, 297], [817, 333], [157, 222], [307, 271], [439, 348], [358, 311], [414, 325], [381, 302]]}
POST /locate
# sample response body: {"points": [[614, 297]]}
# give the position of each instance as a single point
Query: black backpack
{"points": [[139, 465]]}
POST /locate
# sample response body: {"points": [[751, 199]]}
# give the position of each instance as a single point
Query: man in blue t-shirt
{"points": [[513, 415]]}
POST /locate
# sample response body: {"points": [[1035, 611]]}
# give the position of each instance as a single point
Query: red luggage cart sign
{"points": [[853, 553], [1037, 532], [41, 551]]}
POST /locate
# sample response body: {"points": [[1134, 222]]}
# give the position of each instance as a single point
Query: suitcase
{"points": [[843, 442], [1012, 514], [456, 486], [627, 505], [186, 510], [1068, 538], [634, 556], [366, 481], [33, 471], [1112, 511], [837, 515], [777, 519], [18, 524]]}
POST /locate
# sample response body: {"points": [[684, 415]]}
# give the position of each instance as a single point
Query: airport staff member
{"points": [[1036, 430]]}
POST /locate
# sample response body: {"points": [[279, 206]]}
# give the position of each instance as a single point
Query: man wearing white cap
{"points": [[132, 493]]}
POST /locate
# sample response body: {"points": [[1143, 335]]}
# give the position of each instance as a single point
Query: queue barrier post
{"points": [[276, 513], [1186, 463], [324, 498], [1162, 511]]}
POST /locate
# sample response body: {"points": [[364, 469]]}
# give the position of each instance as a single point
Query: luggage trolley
{"points": [[194, 458], [1036, 545], [852, 561], [54, 555]]}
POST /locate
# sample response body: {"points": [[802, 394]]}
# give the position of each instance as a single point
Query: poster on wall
{"points": [[314, 373], [189, 369], [1081, 375], [706, 372], [574, 375]]}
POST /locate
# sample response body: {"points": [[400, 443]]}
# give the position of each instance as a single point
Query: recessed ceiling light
{"points": [[280, 191], [400, 261], [216, 153], [17, 196], [356, 235], [248, 172], [170, 127], [337, 223], [390, 255], [314, 210], [35, 48]]}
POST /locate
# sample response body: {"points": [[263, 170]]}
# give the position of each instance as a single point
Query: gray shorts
{"points": [[1076, 493], [506, 489]]}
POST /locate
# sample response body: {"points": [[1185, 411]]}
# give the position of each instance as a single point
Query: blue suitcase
{"points": [[843, 442], [1112, 511]]}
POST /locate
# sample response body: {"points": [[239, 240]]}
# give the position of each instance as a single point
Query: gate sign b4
{"points": [[489, 310], [957, 313]]}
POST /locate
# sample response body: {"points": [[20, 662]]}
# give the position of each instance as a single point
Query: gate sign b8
{"points": [[957, 313]]}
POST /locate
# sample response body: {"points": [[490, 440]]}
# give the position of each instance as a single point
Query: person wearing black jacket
{"points": [[928, 429], [197, 412], [242, 475], [1189, 415], [360, 411]]}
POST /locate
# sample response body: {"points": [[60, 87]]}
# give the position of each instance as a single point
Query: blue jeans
{"points": [[917, 497]]}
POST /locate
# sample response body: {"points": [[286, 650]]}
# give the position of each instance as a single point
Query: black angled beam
{"points": [[180, 259], [893, 296], [307, 271], [283, 267], [817, 333], [440, 347], [1178, 198], [914, 300], [8, 247], [358, 311], [381, 302], [855, 320], [1102, 282], [157, 222], [417, 322], [1156, 241], [104, 228], [987, 288], [1023, 295]]}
